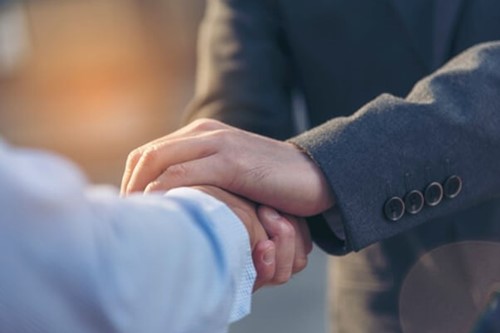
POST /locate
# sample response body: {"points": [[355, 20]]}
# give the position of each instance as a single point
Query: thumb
{"points": [[264, 261]]}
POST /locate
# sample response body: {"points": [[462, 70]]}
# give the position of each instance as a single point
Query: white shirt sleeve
{"points": [[84, 260]]}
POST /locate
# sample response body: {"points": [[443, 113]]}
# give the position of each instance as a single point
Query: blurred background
{"points": [[93, 79]]}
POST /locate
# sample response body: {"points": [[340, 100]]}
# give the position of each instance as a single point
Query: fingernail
{"points": [[271, 214], [268, 257], [270, 254]]}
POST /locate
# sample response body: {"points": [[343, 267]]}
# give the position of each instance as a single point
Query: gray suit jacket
{"points": [[354, 62]]}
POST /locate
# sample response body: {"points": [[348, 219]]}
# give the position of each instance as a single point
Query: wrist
{"points": [[320, 189]]}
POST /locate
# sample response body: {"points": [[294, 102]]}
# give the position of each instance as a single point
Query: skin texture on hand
{"points": [[280, 243], [207, 152], [292, 240], [244, 209]]}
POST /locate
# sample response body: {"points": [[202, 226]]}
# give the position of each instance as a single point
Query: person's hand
{"points": [[207, 152], [291, 238], [244, 209], [280, 243]]}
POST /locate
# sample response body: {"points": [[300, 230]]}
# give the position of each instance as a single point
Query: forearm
{"points": [[192, 249], [95, 262]]}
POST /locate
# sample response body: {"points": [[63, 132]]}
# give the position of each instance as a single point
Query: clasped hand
{"points": [[273, 173]]}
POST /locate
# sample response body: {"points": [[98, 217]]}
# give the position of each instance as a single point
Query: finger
{"points": [[159, 158], [130, 164], [264, 261], [306, 234], [134, 157], [303, 243], [206, 171], [194, 128], [282, 233]]}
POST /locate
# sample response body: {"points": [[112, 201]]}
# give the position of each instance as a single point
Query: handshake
{"points": [[270, 185]]}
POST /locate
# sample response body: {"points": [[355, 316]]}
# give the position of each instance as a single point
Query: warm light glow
{"points": [[94, 79]]}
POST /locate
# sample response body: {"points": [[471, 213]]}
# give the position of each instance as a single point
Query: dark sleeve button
{"points": [[394, 209], [433, 194], [452, 186], [414, 202]]}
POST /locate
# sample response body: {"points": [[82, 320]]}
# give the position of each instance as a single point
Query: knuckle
{"points": [[133, 157], [154, 186], [281, 278], [300, 264], [149, 156], [221, 136], [286, 230], [206, 124], [178, 171]]}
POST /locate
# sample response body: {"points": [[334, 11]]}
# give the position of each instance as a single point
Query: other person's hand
{"points": [[280, 243], [207, 152], [292, 241]]}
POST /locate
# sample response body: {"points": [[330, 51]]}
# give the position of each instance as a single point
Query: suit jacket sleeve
{"points": [[448, 125], [242, 77]]}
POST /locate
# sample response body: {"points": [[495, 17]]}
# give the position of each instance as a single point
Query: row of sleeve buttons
{"points": [[414, 201]]}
